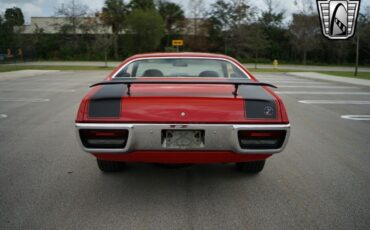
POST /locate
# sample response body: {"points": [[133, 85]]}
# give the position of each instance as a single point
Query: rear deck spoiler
{"points": [[236, 82]]}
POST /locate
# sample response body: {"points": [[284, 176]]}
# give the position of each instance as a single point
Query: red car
{"points": [[182, 108]]}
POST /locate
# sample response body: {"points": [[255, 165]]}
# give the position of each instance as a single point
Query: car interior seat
{"points": [[152, 73], [209, 73]]}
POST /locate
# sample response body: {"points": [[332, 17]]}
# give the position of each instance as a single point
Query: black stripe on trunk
{"points": [[259, 104], [106, 102]]}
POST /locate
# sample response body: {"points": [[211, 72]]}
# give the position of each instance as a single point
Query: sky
{"points": [[42, 8]]}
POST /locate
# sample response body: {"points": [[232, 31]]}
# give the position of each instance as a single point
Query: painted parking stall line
{"points": [[296, 82], [2, 116], [323, 93], [335, 102], [318, 87], [356, 117], [300, 83], [39, 90], [24, 99]]}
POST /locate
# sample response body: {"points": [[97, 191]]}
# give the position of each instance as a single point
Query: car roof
{"points": [[181, 54]]}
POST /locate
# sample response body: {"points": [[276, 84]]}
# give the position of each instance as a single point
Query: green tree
{"points": [[227, 16], [364, 29], [14, 17], [114, 14], [173, 17], [304, 30], [5, 33], [241, 12], [10, 27], [172, 14], [142, 5], [269, 18], [147, 27], [253, 38], [220, 15], [271, 21]]}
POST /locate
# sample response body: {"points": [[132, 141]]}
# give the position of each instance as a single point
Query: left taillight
{"points": [[103, 139]]}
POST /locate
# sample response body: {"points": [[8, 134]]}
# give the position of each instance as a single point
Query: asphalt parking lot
{"points": [[321, 180]]}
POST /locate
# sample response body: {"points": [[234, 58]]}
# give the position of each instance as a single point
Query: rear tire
{"points": [[110, 166], [173, 166], [252, 167]]}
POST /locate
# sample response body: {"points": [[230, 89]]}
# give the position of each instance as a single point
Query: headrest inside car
{"points": [[152, 73], [209, 73]]}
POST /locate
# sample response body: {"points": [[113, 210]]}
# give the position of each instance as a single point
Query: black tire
{"points": [[173, 166], [111, 166], [252, 167]]}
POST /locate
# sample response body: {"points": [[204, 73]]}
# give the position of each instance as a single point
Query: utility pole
{"points": [[357, 50]]}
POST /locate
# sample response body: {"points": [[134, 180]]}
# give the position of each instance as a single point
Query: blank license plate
{"points": [[183, 139]]}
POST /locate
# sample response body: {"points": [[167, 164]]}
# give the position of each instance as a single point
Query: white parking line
{"points": [[317, 87], [65, 80], [335, 102], [40, 90], [297, 82], [24, 99], [277, 79], [71, 83], [3, 116], [356, 117], [323, 93]]}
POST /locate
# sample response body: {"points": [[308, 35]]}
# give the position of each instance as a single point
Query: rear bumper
{"points": [[177, 157], [218, 138]]}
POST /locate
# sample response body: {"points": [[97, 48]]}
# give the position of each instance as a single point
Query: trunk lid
{"points": [[177, 103]]}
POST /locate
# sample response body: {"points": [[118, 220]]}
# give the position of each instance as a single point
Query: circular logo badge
{"points": [[268, 110]]}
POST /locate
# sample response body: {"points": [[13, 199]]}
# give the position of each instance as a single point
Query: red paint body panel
{"points": [[164, 104], [182, 157], [201, 103]]}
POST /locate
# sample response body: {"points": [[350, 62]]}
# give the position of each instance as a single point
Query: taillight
{"points": [[96, 138], [257, 139]]}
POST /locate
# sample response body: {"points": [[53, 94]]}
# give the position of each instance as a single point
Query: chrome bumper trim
{"points": [[218, 137]]}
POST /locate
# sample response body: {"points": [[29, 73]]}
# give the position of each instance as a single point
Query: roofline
{"points": [[181, 54], [159, 55]]}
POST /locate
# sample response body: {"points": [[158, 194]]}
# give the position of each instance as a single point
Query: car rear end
{"points": [[177, 122]]}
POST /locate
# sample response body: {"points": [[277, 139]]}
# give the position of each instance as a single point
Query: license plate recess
{"points": [[183, 139]]}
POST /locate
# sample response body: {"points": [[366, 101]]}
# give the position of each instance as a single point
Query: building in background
{"points": [[53, 25]]}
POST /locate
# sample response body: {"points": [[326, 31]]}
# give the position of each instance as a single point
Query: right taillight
{"points": [[257, 139], [102, 139]]}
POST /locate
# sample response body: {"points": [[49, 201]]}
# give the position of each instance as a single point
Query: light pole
{"points": [[361, 18], [357, 51]]}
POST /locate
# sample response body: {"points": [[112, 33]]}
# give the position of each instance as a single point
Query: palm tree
{"points": [[172, 15], [114, 15]]}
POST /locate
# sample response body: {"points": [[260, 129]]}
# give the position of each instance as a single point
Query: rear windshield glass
{"points": [[181, 67]]}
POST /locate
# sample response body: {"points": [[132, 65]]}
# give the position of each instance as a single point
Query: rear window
{"points": [[181, 67]]}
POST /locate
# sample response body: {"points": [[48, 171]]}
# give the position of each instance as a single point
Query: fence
{"points": [[11, 54]]}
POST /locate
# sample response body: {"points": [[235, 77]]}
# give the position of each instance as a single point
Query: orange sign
{"points": [[177, 42]]}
